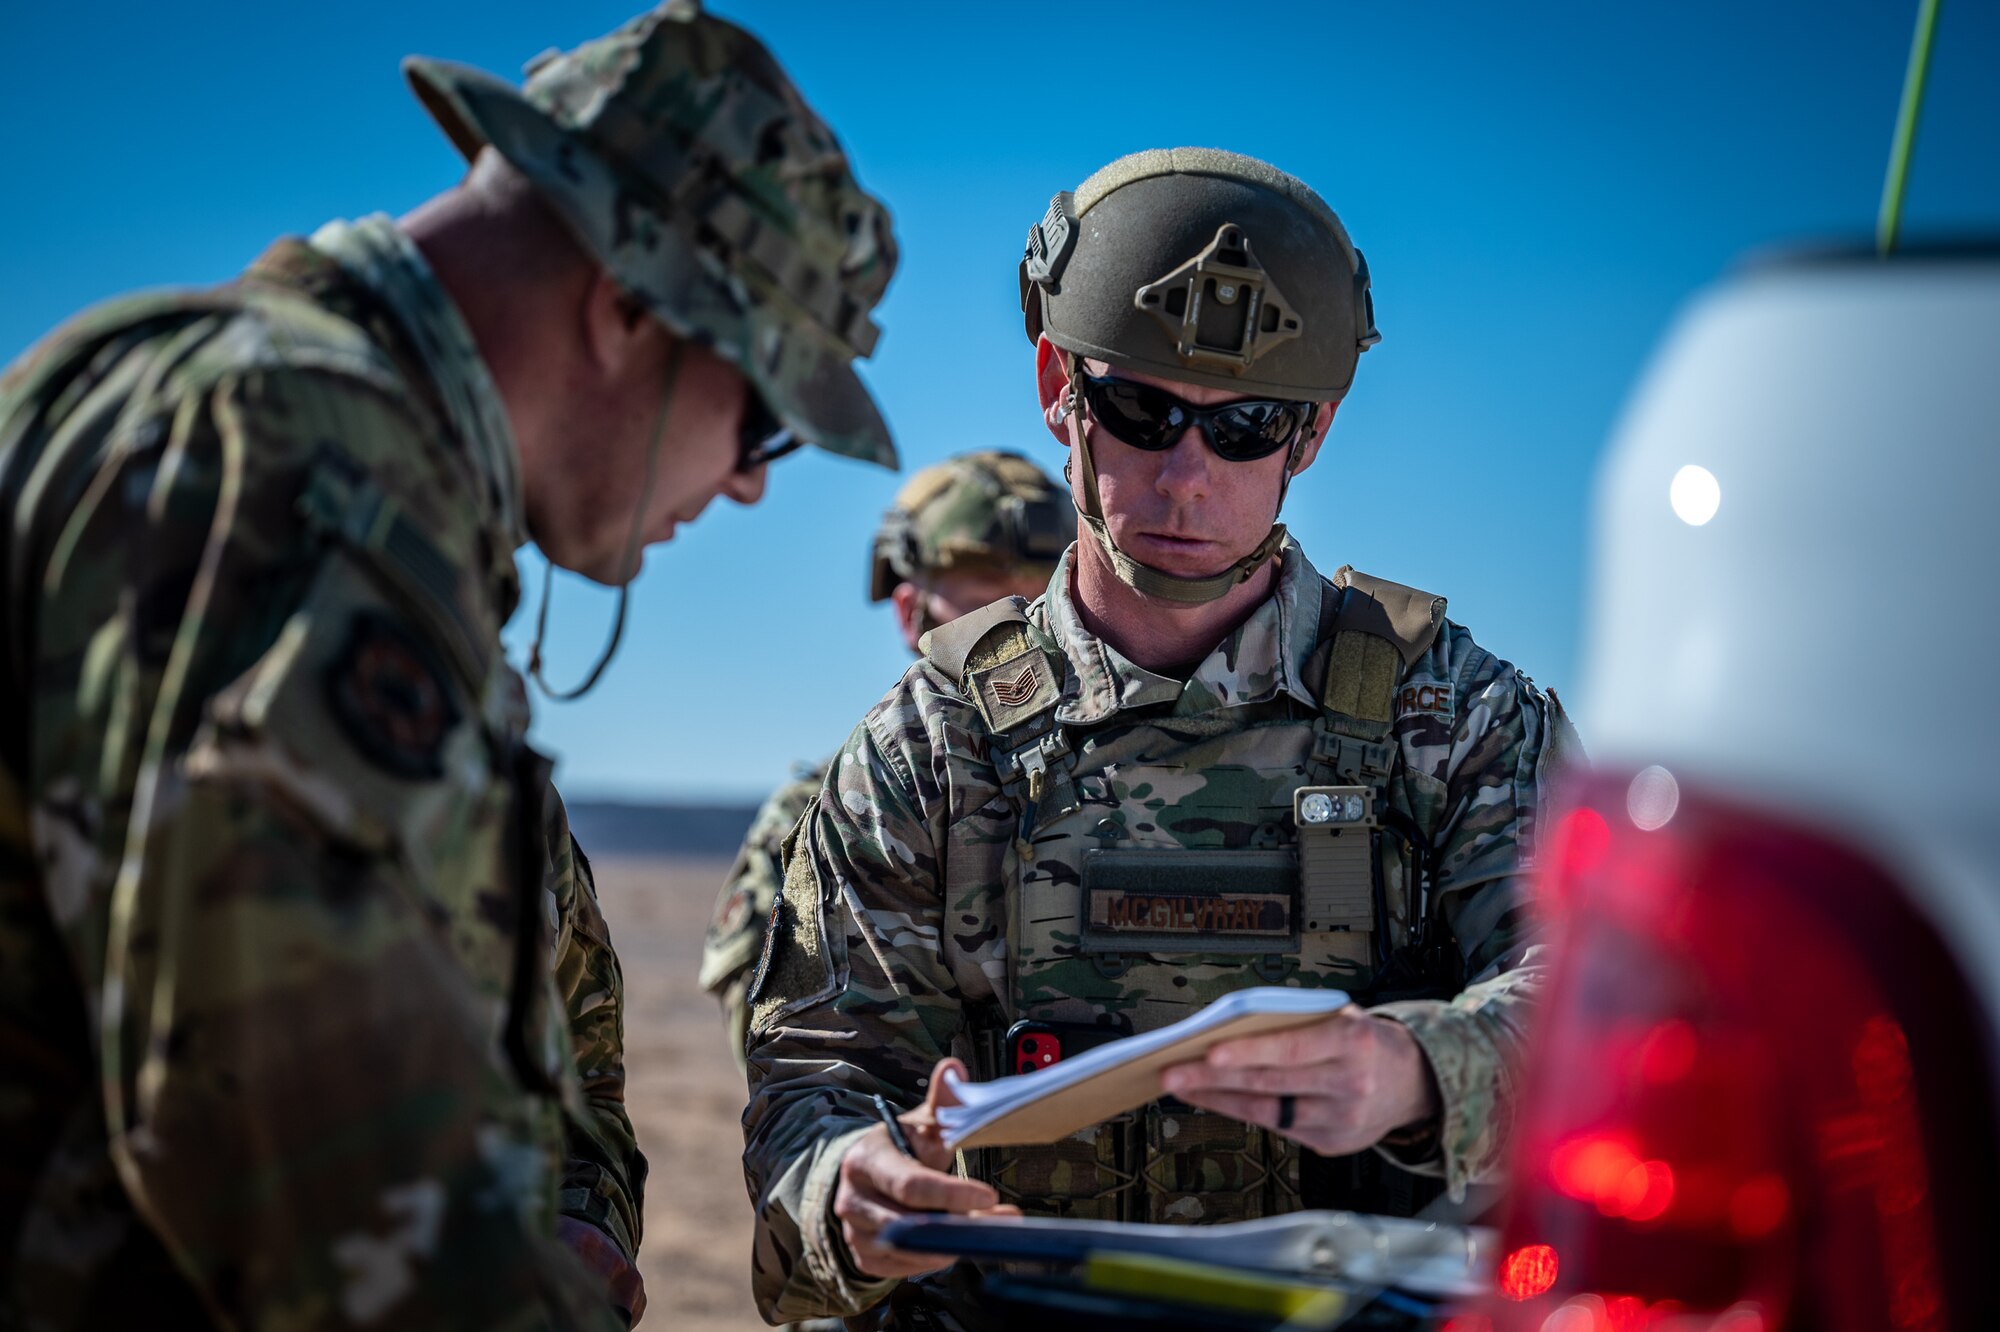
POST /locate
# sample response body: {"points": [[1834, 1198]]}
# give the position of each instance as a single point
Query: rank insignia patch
{"points": [[388, 691], [1016, 689], [1013, 691]]}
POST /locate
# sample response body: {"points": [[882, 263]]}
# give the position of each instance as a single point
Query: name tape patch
{"points": [[1427, 698], [1124, 911]]}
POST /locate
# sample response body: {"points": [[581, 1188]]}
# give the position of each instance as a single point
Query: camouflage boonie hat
{"points": [[688, 165], [986, 510]]}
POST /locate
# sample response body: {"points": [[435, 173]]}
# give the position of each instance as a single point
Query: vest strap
{"points": [[1356, 761], [1405, 616], [1371, 632]]}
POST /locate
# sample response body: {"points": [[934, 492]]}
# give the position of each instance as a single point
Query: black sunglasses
{"points": [[1153, 419], [763, 438]]}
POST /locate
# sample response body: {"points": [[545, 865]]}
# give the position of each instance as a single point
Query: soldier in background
{"points": [[1092, 813], [308, 1016], [962, 534]]}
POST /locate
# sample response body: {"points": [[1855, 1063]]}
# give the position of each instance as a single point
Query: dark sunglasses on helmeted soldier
{"points": [[1148, 417]]}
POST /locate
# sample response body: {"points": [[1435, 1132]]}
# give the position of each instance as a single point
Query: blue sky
{"points": [[1537, 188]]}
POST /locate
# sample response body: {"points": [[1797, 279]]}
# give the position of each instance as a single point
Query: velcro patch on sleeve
{"points": [[387, 689], [798, 965], [1425, 698]]}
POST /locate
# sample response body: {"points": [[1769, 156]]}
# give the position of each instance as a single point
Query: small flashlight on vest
{"points": [[1317, 807], [1336, 857]]}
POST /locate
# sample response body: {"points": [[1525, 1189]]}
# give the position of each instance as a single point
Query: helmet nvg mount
{"points": [[989, 510], [1203, 267]]}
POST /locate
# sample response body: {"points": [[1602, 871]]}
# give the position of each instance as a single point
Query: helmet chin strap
{"points": [[628, 566], [1144, 577]]}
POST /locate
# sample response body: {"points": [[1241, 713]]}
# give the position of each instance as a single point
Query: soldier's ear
{"points": [[1052, 385], [1316, 433], [909, 604], [617, 331]]}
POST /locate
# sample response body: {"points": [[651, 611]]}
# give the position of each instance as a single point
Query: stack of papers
{"points": [[1050, 1104]]}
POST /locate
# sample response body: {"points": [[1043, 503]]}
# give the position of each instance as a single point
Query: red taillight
{"points": [[1528, 1271], [1759, 1100]]}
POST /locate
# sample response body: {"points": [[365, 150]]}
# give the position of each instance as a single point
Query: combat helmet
{"points": [[687, 164], [1205, 267], [987, 510]]}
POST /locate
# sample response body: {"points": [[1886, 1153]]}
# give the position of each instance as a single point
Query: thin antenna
{"points": [[1890, 221]]}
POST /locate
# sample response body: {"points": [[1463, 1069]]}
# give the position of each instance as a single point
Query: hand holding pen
{"points": [[899, 1168]]}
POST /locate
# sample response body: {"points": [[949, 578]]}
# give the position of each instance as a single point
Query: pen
{"points": [[895, 1127]]}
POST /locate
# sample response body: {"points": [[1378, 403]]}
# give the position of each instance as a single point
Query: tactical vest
{"points": [[1164, 861]]}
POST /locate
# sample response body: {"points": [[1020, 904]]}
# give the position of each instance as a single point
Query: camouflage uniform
{"points": [[987, 511], [271, 774], [1342, 794], [308, 1015], [935, 897], [743, 908]]}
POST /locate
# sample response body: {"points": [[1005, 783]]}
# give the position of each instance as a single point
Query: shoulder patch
{"points": [[387, 689], [799, 964], [735, 910]]}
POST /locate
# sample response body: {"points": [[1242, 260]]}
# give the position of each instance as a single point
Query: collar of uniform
{"points": [[1260, 658], [376, 252]]}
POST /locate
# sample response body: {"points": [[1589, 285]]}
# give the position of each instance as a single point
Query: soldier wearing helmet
{"points": [[1194, 765], [308, 1015], [961, 535]]}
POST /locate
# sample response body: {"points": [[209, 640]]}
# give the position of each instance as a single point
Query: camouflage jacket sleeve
{"points": [[305, 1098], [1482, 787], [604, 1172], [855, 996], [743, 907]]}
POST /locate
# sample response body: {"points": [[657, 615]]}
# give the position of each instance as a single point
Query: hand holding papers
{"points": [[1092, 1087]]}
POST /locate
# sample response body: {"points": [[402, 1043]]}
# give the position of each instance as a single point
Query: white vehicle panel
{"points": [[1825, 642]]}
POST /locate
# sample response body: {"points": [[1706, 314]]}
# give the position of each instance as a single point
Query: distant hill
{"points": [[623, 828]]}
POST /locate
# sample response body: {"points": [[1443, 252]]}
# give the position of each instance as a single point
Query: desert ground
{"points": [[684, 1092]]}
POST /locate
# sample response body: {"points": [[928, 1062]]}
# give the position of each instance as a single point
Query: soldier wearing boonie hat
{"points": [[308, 1014], [961, 534], [688, 165], [1194, 766]]}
